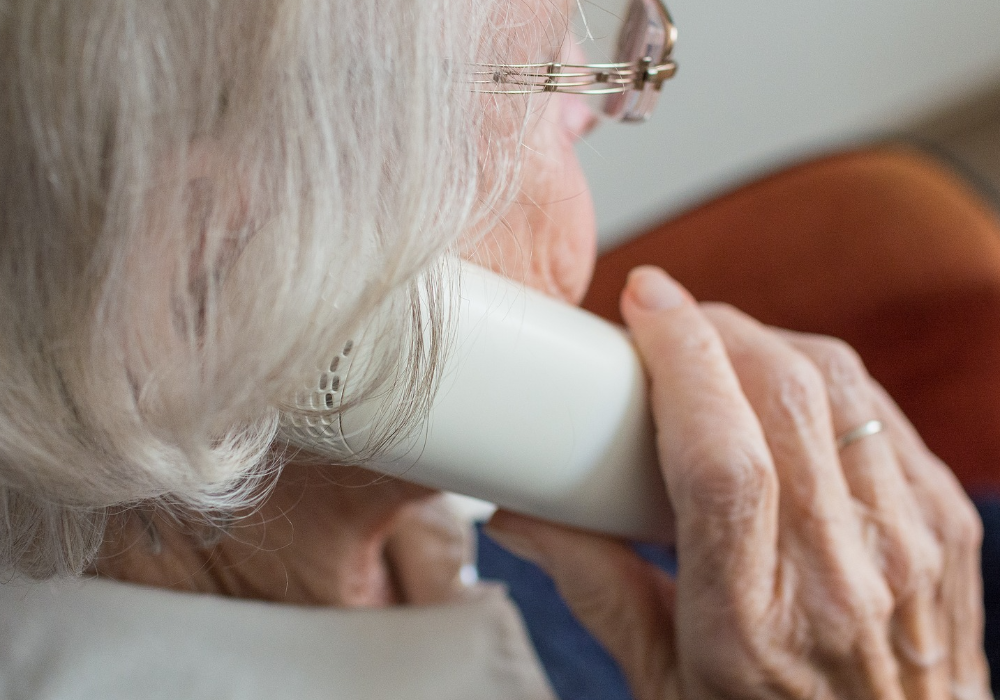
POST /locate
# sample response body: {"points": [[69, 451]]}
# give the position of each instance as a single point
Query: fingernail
{"points": [[515, 544], [653, 289]]}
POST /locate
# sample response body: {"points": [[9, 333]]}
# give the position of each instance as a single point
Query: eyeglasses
{"points": [[630, 84]]}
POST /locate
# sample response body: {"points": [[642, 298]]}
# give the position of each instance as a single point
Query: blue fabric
{"points": [[989, 510], [579, 667]]}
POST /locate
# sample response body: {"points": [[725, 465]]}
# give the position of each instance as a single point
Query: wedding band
{"points": [[872, 427]]}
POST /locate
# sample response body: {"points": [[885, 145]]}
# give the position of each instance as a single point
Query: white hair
{"points": [[198, 200]]}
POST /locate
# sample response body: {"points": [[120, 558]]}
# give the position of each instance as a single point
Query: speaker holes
{"points": [[348, 348], [322, 383], [329, 400], [335, 383], [334, 363]]}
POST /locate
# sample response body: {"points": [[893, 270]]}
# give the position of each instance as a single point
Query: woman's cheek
{"points": [[566, 231], [548, 237]]}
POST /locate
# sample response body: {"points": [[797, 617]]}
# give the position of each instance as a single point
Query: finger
{"points": [[844, 593], [427, 550], [910, 555], [871, 467], [957, 526], [623, 601], [736, 613], [713, 454]]}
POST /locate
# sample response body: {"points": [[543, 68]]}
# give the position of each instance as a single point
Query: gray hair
{"points": [[198, 199]]}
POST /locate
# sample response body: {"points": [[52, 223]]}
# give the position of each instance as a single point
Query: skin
{"points": [[805, 571]]}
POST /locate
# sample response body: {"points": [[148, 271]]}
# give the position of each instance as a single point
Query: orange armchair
{"points": [[886, 248]]}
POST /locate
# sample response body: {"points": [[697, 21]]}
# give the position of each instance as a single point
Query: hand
{"points": [[804, 571], [325, 535]]}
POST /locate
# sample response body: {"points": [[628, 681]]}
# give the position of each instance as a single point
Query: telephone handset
{"points": [[541, 409]]}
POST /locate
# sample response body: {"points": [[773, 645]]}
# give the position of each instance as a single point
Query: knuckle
{"points": [[838, 360], [954, 517], [797, 388], [964, 527], [700, 343], [734, 478], [679, 343], [875, 601]]}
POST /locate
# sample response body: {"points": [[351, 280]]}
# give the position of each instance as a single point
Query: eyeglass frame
{"points": [[639, 80]]}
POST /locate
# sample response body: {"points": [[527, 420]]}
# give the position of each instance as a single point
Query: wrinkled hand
{"points": [[804, 571]]}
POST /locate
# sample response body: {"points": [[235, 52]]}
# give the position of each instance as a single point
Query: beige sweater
{"points": [[102, 639]]}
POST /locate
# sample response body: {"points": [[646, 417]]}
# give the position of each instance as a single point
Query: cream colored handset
{"points": [[541, 409]]}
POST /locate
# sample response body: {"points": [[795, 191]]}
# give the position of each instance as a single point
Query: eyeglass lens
{"points": [[623, 31]]}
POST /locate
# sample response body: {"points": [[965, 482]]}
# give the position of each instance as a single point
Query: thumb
{"points": [[624, 601], [427, 550]]}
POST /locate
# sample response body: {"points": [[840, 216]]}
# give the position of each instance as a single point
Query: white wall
{"points": [[764, 80]]}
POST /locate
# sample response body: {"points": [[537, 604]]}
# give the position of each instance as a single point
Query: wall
{"points": [[762, 82]]}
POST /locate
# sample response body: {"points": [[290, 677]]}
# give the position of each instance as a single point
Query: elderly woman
{"points": [[201, 198]]}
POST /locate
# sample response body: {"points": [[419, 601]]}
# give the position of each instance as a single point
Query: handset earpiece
{"points": [[541, 409]]}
